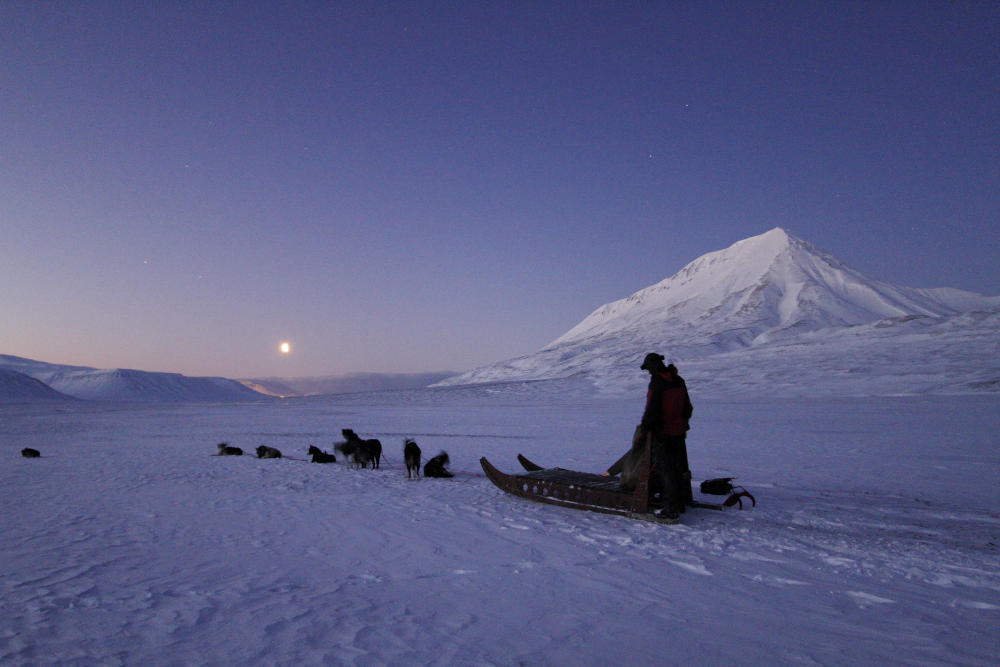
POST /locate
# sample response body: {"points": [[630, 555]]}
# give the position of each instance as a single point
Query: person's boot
{"points": [[668, 514]]}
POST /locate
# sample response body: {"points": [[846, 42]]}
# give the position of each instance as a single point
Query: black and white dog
{"points": [[411, 456]]}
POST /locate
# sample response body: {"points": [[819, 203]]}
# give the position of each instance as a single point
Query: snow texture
{"points": [[874, 540]]}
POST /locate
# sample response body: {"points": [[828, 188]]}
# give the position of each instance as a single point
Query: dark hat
{"points": [[651, 361]]}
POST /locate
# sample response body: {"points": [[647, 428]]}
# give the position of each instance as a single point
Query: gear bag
{"points": [[632, 461], [720, 486]]}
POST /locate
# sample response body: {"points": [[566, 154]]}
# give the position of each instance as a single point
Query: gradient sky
{"points": [[406, 187]]}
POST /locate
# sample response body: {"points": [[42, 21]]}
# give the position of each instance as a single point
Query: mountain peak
{"points": [[749, 257], [761, 290], [774, 243], [774, 240], [702, 284]]}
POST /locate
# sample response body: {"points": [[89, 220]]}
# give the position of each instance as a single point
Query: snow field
{"points": [[874, 540]]}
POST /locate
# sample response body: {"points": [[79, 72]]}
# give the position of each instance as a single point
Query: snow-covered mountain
{"points": [[765, 293], [17, 387], [114, 384]]}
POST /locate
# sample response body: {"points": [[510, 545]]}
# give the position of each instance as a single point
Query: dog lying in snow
{"points": [[319, 456], [226, 450], [435, 467], [30, 453], [411, 456], [264, 452]]}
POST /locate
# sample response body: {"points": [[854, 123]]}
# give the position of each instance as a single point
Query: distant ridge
{"points": [[123, 385], [342, 384], [17, 387], [760, 293], [26, 379]]}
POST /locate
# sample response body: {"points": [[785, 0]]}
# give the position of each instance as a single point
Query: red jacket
{"points": [[668, 406]]}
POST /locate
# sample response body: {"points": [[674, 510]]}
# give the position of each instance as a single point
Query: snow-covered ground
{"points": [[874, 540]]}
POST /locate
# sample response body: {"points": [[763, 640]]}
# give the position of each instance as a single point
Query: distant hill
{"points": [[124, 385], [763, 308], [17, 387], [342, 384]]}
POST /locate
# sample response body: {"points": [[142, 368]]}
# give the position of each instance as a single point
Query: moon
{"points": [[285, 347]]}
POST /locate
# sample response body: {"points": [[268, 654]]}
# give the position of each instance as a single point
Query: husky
{"points": [[411, 455], [226, 450], [351, 449], [319, 456], [436, 466], [362, 452], [355, 452], [264, 452]]}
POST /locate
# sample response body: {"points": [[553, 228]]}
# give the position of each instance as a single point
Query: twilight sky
{"points": [[420, 186]]}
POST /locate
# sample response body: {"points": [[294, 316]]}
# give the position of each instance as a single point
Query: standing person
{"points": [[668, 410]]}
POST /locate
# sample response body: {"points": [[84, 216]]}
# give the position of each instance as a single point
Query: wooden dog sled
{"points": [[581, 490]]}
